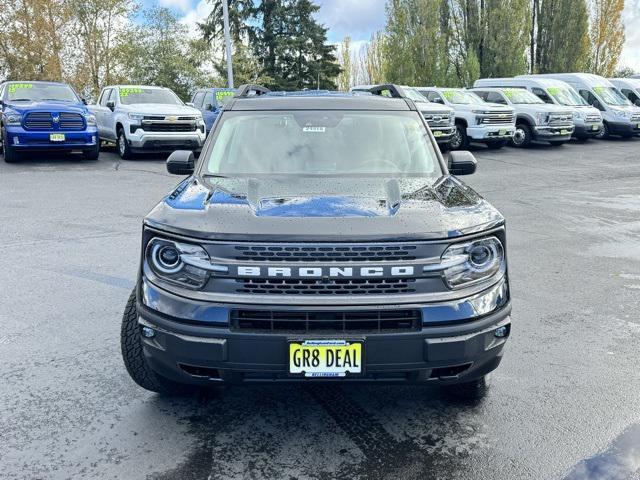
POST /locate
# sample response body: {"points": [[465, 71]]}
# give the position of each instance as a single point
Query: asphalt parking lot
{"points": [[564, 404]]}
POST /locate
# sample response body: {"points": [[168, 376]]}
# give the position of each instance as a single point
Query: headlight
{"points": [[578, 115], [136, 116], [199, 118], [452, 118], [479, 112], [91, 120], [13, 119], [542, 118], [473, 262], [184, 264]]}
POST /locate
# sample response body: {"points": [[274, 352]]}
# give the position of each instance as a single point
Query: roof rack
{"points": [[250, 90]]}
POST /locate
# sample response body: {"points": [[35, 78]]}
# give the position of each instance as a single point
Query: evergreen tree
{"points": [[607, 36], [504, 38], [562, 43]]}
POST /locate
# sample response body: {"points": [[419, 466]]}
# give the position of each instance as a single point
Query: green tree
{"points": [[346, 63], [562, 42], [241, 15], [607, 36], [504, 37]]}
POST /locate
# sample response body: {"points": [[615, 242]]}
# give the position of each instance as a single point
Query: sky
{"points": [[360, 18]]}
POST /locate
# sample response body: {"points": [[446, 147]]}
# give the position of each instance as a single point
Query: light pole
{"points": [[227, 41]]}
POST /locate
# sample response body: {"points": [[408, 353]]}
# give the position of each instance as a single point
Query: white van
{"points": [[587, 119], [440, 118], [535, 120], [630, 88], [619, 116], [476, 120]]}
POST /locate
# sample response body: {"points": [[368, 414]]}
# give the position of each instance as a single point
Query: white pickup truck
{"points": [[144, 118]]}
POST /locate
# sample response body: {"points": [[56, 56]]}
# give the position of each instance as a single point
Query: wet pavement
{"points": [[564, 404]]}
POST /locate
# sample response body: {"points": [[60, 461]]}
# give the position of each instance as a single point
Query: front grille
{"points": [[498, 119], [71, 121], [635, 119], [437, 119], [359, 321], [38, 120], [560, 120], [281, 286], [168, 127], [593, 119], [343, 253]]}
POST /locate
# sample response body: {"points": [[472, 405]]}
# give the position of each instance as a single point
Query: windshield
{"points": [[461, 97], [414, 95], [611, 96], [566, 96], [131, 95], [322, 143], [38, 92], [520, 96]]}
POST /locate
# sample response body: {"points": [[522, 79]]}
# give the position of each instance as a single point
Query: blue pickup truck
{"points": [[210, 101], [45, 116]]}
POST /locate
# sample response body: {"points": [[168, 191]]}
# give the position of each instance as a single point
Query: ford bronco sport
{"points": [[319, 238]]}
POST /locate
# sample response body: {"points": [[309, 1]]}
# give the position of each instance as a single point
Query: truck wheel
{"points": [[474, 390], [604, 132], [522, 136], [496, 144], [459, 140], [556, 144], [8, 152], [134, 359], [124, 150], [92, 154]]}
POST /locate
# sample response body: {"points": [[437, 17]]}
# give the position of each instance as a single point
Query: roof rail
{"points": [[396, 91], [250, 90]]}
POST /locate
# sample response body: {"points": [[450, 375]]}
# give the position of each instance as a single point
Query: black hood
{"points": [[326, 209]]}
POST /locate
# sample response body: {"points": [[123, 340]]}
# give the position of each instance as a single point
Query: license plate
{"points": [[594, 127], [638, 125], [502, 132], [564, 132], [437, 133], [56, 137], [325, 358]]}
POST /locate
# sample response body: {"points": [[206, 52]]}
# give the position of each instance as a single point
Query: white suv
{"points": [[476, 120], [143, 118]]}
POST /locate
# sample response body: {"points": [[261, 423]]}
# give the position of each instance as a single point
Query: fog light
{"points": [[148, 332], [93, 139], [501, 332], [16, 141]]}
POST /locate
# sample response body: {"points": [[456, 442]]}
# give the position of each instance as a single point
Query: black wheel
{"points": [[124, 150], [496, 144], [459, 140], [604, 132], [522, 136], [444, 147], [556, 144], [8, 152], [92, 154], [134, 359], [474, 390]]}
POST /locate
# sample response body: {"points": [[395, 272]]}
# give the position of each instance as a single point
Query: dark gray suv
{"points": [[319, 238]]}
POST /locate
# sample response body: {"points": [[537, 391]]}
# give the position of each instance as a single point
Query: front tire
{"points": [[522, 136], [122, 145], [134, 359], [459, 140], [92, 154], [604, 132], [473, 390], [8, 152]]}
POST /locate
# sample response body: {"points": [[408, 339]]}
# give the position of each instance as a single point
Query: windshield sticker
{"points": [[222, 94], [314, 129], [124, 92], [511, 92], [599, 90], [449, 94], [554, 90], [13, 87]]}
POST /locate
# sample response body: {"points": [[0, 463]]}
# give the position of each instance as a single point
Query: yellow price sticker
{"points": [[222, 94], [13, 87], [125, 92]]}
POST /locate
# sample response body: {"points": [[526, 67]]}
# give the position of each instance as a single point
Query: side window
{"points": [[208, 100], [630, 94], [104, 96], [542, 95], [591, 99], [197, 99], [495, 97], [112, 97], [435, 97]]}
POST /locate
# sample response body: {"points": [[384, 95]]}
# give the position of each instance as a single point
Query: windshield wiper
{"points": [[20, 100], [213, 175], [56, 99]]}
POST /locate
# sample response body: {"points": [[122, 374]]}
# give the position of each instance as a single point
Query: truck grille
{"points": [[279, 286], [44, 121], [498, 119], [561, 119], [168, 127], [593, 119], [343, 253], [291, 321], [635, 118], [437, 119]]}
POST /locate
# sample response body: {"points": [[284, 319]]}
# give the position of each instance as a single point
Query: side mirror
{"points": [[209, 107], [111, 105], [636, 103], [181, 162], [190, 104], [84, 101], [462, 163]]}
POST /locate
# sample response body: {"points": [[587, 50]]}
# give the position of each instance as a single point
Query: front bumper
{"points": [[443, 134], [625, 129], [200, 354], [22, 139], [141, 140], [491, 132], [588, 130], [555, 134]]}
